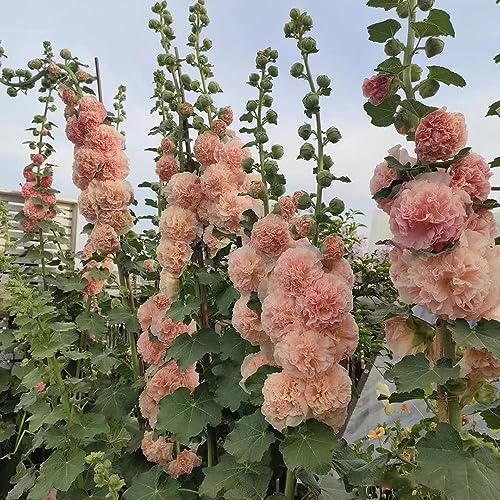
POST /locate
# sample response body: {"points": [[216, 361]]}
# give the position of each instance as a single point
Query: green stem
{"points": [[289, 485], [260, 107], [409, 51], [210, 447], [56, 373], [42, 258], [202, 74], [453, 401]]}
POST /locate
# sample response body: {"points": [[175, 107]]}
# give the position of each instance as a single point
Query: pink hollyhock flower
{"points": [[252, 363], [105, 139], [40, 386], [166, 167], [216, 180], [120, 220], [94, 286], [302, 227], [52, 495], [37, 159], [304, 352], [91, 114], [205, 147], [67, 95], [284, 400], [377, 88], [342, 269], [79, 181], [325, 303], [29, 225], [232, 153], [48, 199], [149, 408], [180, 224], [472, 175], [401, 339], [246, 269], [478, 365], [440, 136], [278, 314], [28, 190], [346, 337], [247, 322], [183, 189], [271, 235], [169, 285], [34, 211], [167, 146], [167, 330], [227, 213], [287, 207], [114, 168], [69, 111], [168, 379], [111, 195], [174, 256], [428, 214], [104, 239], [73, 132], [46, 181], [328, 391], [333, 248], [88, 207], [297, 269], [184, 464], [150, 265], [335, 419], [29, 174], [214, 242], [483, 221], [159, 451], [461, 283], [152, 351], [153, 309]]}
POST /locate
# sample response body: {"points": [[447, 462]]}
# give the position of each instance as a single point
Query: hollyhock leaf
{"points": [[185, 414], [392, 66], [40, 411], [446, 76], [445, 466], [206, 278], [115, 400], [233, 346], [234, 479], [492, 417], [383, 312], [333, 488], [63, 467], [89, 425], [58, 341], [24, 484], [383, 31], [383, 114], [226, 300], [310, 447], [7, 430], [494, 109], [417, 108], [385, 4], [91, 322], [401, 397], [437, 23], [149, 486], [390, 191], [250, 438], [187, 349], [495, 163], [497, 57], [396, 165], [483, 336], [415, 372], [179, 310], [123, 315], [255, 382], [228, 392]]}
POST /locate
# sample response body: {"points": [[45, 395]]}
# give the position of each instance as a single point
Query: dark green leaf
{"points": [[229, 393], [492, 417], [226, 300], [333, 489], [149, 486], [179, 310], [391, 66], [255, 382], [417, 108], [383, 114], [385, 4], [233, 346], [254, 303], [495, 163], [494, 109], [485, 335], [497, 57], [382, 312], [381, 32], [58, 341], [390, 191], [92, 323], [63, 467], [446, 76], [89, 425], [206, 278], [116, 400], [438, 23]]}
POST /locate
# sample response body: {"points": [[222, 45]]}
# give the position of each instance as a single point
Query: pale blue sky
{"points": [[117, 32]]}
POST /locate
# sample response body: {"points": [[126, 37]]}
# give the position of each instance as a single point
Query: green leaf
{"points": [[385, 4], [310, 448], [417, 108], [446, 76], [383, 114], [58, 341], [401, 397], [24, 484], [123, 315], [495, 163], [148, 486], [485, 335], [5, 379], [333, 489], [92, 323], [391, 66], [381, 32], [234, 478], [438, 23], [228, 392], [226, 300], [40, 411], [187, 349], [443, 465], [115, 400], [63, 467], [497, 57], [179, 310], [185, 414], [255, 382], [494, 109], [414, 372], [492, 417], [250, 438], [206, 278], [89, 425], [384, 311], [7, 430], [233, 346]]}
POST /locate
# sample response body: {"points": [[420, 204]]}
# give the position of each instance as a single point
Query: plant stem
{"points": [[42, 258], [453, 401], [409, 51], [198, 64], [290, 485], [56, 373], [260, 146]]}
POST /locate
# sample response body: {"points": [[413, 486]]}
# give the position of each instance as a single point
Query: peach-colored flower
{"points": [[174, 255], [227, 213], [153, 309], [302, 227], [287, 207], [40, 386], [91, 114], [184, 464], [29, 225], [271, 235], [440, 136], [67, 95], [180, 224], [346, 336], [104, 239], [216, 180], [279, 313], [28, 190], [159, 451], [152, 351], [167, 330], [149, 408], [247, 322], [169, 285], [335, 418], [114, 168], [214, 242], [205, 147], [246, 269], [120, 220], [376, 433], [167, 145], [87, 162], [34, 210], [232, 153], [166, 167], [333, 248], [483, 221], [183, 189], [111, 195], [169, 378], [428, 214], [342, 269], [52, 495], [88, 207], [376, 89], [472, 174], [478, 365], [73, 132], [401, 339], [252, 363], [150, 265], [284, 400], [95, 286], [105, 139]]}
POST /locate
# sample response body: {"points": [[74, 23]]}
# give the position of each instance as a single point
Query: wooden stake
{"points": [[98, 76]]}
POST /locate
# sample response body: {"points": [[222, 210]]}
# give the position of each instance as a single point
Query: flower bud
{"points": [[277, 152], [296, 70], [162, 59], [425, 4], [304, 131], [333, 135], [456, 386], [272, 117], [154, 24], [214, 88], [303, 200], [310, 100], [402, 10], [2, 51], [277, 189], [307, 151], [327, 162], [157, 8], [324, 178], [35, 64], [11, 92], [204, 102], [428, 88], [336, 206], [308, 45], [405, 122], [207, 44], [295, 14], [433, 46], [273, 71], [191, 59], [256, 189], [226, 114], [195, 85], [393, 47], [198, 122], [270, 168], [8, 73], [82, 76], [416, 72], [186, 109], [323, 81], [192, 18], [486, 393], [253, 79], [289, 29], [307, 21], [261, 60], [252, 105], [186, 80], [65, 54], [247, 164], [273, 54], [267, 100], [219, 127], [261, 137]]}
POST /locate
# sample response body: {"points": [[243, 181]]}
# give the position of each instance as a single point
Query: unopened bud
{"points": [[311, 101], [186, 109], [323, 81], [247, 164], [65, 54], [308, 45], [277, 152], [336, 205], [297, 70], [272, 116], [403, 10], [256, 189], [307, 151], [305, 131], [273, 71], [302, 199], [405, 122], [428, 88], [416, 72], [333, 135], [425, 4], [393, 47], [324, 178], [433, 47], [214, 87], [35, 64], [219, 127], [11, 92], [486, 394]]}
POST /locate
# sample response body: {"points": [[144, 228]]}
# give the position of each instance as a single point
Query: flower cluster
{"points": [[303, 326]]}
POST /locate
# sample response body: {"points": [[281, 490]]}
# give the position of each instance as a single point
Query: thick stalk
{"points": [[442, 402], [42, 258], [198, 64], [409, 51], [453, 401], [290, 485], [56, 373], [260, 146]]}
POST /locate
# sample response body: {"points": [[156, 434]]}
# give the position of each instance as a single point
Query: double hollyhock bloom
{"points": [[377, 88], [444, 257], [305, 326]]}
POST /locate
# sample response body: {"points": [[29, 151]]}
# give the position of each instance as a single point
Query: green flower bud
{"points": [[486, 394], [190, 58], [273, 71], [261, 60], [277, 151], [456, 386], [192, 38], [308, 45], [247, 164], [154, 24], [295, 14], [167, 17], [306, 151], [253, 79], [267, 101], [289, 29], [270, 168], [336, 206], [192, 18], [324, 178], [35, 64], [186, 80], [214, 88], [297, 70], [272, 117], [8, 73], [405, 122], [267, 84], [11, 92], [156, 8], [277, 189], [305, 131], [204, 102], [307, 21], [403, 10], [198, 122], [323, 81], [195, 85], [20, 72], [433, 46], [428, 88], [416, 72], [273, 54], [2, 51], [207, 44], [311, 100], [393, 47], [425, 4], [161, 59], [115, 303], [252, 105], [304, 202], [327, 162], [65, 54], [333, 135], [261, 137]]}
